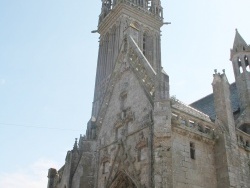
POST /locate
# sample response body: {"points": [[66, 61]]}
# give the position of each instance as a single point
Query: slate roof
{"points": [[206, 104], [190, 110]]}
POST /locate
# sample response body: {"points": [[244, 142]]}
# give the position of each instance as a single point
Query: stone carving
{"points": [[124, 117], [146, 120], [143, 142], [124, 66], [105, 157], [123, 163], [140, 70]]}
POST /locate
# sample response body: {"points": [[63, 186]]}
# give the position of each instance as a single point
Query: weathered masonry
{"points": [[139, 137]]}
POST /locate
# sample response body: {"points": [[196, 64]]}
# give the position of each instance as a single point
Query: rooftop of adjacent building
{"points": [[206, 104]]}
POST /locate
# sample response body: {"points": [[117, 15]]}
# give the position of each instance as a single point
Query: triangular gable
{"points": [[130, 56]]}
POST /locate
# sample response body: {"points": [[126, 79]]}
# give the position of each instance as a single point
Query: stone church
{"points": [[140, 137]]}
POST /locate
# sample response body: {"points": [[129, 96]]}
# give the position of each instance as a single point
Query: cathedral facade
{"points": [[140, 137]]}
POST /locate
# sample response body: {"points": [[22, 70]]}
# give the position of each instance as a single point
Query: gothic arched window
{"points": [[240, 66], [147, 46], [247, 63]]}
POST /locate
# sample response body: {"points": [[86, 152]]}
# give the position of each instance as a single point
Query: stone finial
{"points": [[215, 71], [75, 145]]}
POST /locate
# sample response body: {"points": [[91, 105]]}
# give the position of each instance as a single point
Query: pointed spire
{"points": [[239, 42], [239, 45], [75, 145]]}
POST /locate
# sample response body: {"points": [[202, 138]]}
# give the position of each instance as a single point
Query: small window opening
{"points": [[207, 130], [244, 48], [200, 128], [247, 63], [149, 5], [191, 123], [123, 114], [157, 11], [241, 140], [183, 122], [247, 144], [249, 167], [192, 150], [105, 168], [240, 66], [144, 44]]}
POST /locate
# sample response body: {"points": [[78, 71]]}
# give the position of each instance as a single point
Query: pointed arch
{"points": [[240, 66], [122, 180]]}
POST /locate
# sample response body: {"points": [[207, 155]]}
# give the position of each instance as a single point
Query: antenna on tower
{"points": [[166, 23]]}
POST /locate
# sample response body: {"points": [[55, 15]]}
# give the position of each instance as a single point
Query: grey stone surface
{"points": [[139, 137]]}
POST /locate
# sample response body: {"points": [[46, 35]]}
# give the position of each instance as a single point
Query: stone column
{"points": [[226, 149], [52, 176]]}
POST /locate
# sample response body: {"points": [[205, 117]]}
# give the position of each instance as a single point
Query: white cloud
{"points": [[33, 176]]}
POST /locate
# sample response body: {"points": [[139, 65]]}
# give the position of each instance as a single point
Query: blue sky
{"points": [[47, 72]]}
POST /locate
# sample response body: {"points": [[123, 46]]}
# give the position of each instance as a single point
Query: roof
{"points": [[239, 41], [206, 104], [190, 110]]}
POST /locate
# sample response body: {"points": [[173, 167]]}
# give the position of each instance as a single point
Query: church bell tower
{"points": [[240, 54], [131, 99], [142, 19]]}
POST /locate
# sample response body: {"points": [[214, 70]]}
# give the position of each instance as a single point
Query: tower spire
{"points": [[240, 55], [238, 40], [115, 21], [239, 44]]}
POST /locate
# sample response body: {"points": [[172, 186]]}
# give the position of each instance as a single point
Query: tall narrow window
{"points": [[240, 65], [192, 150], [149, 5], [141, 3], [247, 144], [144, 44], [105, 167], [247, 63], [249, 167]]}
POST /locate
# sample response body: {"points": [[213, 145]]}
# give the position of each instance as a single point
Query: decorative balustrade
{"points": [[243, 139], [192, 124], [151, 6]]}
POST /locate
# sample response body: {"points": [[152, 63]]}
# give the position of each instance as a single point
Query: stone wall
{"points": [[84, 175], [199, 172], [124, 134]]}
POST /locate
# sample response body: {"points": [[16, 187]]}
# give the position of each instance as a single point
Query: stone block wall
{"points": [[124, 134], [84, 175], [199, 172]]}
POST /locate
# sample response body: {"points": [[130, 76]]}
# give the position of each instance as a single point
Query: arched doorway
{"points": [[121, 180]]}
